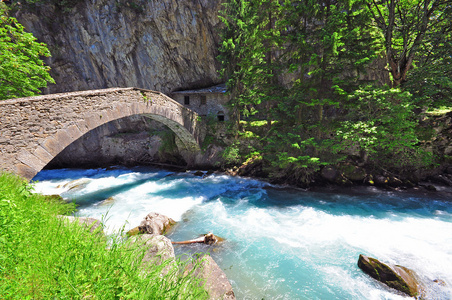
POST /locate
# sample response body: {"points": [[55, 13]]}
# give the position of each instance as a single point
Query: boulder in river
{"points": [[199, 173], [77, 184], [155, 223], [396, 277], [158, 248], [215, 281]]}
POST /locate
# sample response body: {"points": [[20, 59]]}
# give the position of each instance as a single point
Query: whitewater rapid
{"points": [[280, 243]]}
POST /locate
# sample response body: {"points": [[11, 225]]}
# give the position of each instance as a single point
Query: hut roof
{"points": [[216, 89]]}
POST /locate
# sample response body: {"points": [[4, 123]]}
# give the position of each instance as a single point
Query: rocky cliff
{"points": [[163, 45]]}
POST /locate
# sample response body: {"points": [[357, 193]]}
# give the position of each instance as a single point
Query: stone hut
{"points": [[207, 101]]}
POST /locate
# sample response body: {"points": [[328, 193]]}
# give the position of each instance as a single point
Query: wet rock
{"points": [[215, 281], [108, 201], [77, 184], [252, 167], [354, 173], [449, 170], [155, 223], [133, 231], [330, 173], [440, 282], [429, 187], [94, 225], [395, 182], [380, 180], [211, 157], [442, 179], [199, 173], [396, 277]]}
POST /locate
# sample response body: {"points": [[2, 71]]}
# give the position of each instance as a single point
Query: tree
{"points": [[405, 25], [328, 46], [308, 59], [430, 79], [248, 55], [22, 72]]}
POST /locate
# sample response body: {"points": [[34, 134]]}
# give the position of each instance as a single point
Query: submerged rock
{"points": [[108, 201], [396, 277], [77, 184]]}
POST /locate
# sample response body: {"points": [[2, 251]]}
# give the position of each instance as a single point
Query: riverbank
{"points": [[344, 176], [42, 256]]}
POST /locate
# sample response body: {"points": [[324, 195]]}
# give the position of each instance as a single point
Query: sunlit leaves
{"points": [[22, 72]]}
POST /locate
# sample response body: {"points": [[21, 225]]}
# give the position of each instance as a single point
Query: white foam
{"points": [[317, 242]]}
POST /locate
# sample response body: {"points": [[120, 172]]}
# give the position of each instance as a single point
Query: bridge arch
{"points": [[36, 129]]}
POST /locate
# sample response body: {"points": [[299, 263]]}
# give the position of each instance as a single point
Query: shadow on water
{"points": [[361, 202]]}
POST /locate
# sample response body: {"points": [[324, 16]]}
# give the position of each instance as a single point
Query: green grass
{"points": [[43, 257]]}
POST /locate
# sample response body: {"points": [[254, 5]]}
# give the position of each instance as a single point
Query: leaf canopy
{"points": [[22, 71]]}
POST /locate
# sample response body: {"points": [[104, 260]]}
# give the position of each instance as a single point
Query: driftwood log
{"points": [[208, 239]]}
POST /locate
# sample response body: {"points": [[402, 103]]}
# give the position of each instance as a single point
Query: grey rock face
{"points": [[162, 45]]}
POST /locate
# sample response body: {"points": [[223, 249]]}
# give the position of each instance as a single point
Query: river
{"points": [[280, 243]]}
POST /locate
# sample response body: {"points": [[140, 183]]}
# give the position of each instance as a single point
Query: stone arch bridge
{"points": [[34, 130]]}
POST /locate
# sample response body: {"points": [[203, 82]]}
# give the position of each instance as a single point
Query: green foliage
{"points": [[43, 257], [381, 123], [251, 38], [231, 154], [430, 79], [300, 67], [22, 72], [411, 29]]}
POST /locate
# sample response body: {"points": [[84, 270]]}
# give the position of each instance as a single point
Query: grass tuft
{"points": [[44, 257]]}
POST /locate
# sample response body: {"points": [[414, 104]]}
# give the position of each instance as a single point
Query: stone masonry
{"points": [[34, 130]]}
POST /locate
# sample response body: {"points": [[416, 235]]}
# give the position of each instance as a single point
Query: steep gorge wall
{"points": [[162, 45]]}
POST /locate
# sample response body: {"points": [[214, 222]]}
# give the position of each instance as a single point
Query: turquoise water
{"points": [[279, 243]]}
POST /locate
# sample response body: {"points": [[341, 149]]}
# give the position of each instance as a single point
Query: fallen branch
{"points": [[208, 239]]}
